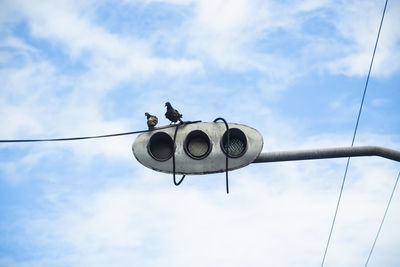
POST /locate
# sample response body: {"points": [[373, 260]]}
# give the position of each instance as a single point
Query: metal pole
{"points": [[339, 152]]}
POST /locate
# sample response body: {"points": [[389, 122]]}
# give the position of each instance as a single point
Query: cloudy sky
{"points": [[294, 70]]}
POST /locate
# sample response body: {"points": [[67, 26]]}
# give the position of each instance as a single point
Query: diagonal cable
{"points": [[354, 135], [383, 219], [69, 138], [87, 137]]}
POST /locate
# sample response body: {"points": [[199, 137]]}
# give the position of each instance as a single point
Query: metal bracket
{"points": [[327, 153]]}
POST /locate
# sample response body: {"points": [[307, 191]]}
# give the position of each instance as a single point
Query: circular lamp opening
{"points": [[160, 146], [237, 143], [197, 145]]}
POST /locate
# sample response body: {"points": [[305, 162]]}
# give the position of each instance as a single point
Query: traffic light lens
{"points": [[197, 145], [160, 146], [237, 143], [236, 147]]}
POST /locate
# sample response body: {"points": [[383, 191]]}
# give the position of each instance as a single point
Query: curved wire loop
{"points": [[227, 151], [173, 160]]}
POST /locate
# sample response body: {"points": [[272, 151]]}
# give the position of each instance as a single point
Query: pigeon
{"points": [[172, 114], [151, 120]]}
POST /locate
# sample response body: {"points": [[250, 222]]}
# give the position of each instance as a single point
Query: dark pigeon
{"points": [[172, 114], [151, 120]]}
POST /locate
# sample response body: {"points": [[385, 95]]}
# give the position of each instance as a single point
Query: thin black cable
{"points": [[81, 137], [173, 159], [88, 137], [69, 138], [173, 153], [227, 151], [355, 132], [383, 219]]}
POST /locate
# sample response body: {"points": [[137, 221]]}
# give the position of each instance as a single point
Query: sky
{"points": [[293, 70]]}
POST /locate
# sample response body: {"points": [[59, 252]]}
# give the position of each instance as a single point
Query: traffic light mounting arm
{"points": [[339, 152]]}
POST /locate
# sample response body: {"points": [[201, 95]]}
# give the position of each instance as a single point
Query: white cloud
{"points": [[260, 222], [64, 24], [358, 22], [377, 102]]}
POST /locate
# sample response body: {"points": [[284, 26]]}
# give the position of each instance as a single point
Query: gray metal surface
{"points": [[340, 152], [214, 162]]}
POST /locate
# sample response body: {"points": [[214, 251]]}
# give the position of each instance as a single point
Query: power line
{"points": [[354, 135], [90, 137], [69, 138], [82, 137], [383, 219]]}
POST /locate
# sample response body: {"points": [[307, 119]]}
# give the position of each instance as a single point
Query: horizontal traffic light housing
{"points": [[200, 148]]}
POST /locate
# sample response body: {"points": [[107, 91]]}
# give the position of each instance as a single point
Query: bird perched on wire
{"points": [[172, 114], [151, 120]]}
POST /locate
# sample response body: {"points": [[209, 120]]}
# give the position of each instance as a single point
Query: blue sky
{"points": [[294, 70]]}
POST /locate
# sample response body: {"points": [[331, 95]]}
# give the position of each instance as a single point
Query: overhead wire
{"points": [[354, 134], [80, 137], [173, 160], [383, 219], [227, 151]]}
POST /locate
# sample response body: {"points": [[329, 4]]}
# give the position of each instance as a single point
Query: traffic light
{"points": [[200, 148]]}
